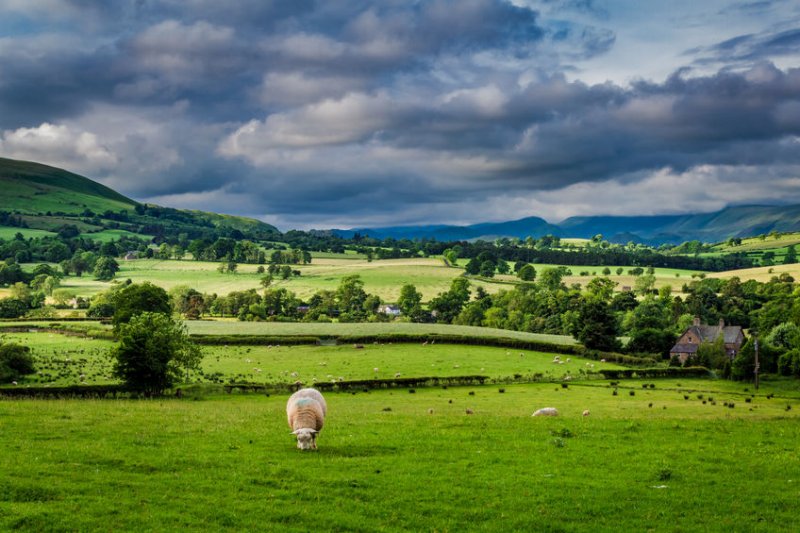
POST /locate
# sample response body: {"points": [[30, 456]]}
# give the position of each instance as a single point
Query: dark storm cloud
{"points": [[309, 111]]}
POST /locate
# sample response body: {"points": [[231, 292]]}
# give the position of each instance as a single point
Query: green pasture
{"points": [[332, 329], [394, 461], [382, 277], [313, 364], [8, 233], [53, 223], [108, 235], [70, 360], [760, 244]]}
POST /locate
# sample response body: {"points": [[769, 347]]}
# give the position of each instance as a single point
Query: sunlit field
{"points": [[394, 461]]}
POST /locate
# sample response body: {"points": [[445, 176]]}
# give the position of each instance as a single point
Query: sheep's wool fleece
{"points": [[306, 408]]}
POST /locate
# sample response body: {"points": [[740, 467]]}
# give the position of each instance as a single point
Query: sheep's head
{"points": [[306, 438]]}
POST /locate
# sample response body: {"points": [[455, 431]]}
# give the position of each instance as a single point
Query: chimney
{"points": [[696, 321]]}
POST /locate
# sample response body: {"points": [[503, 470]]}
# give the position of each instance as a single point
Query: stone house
{"points": [[698, 333]]}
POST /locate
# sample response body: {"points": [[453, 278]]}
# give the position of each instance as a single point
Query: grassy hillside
{"points": [[47, 198], [29, 187]]}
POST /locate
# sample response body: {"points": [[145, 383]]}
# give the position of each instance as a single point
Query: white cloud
{"points": [[354, 118], [58, 145]]}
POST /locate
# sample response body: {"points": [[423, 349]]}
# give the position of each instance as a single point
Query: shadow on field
{"points": [[355, 451]]}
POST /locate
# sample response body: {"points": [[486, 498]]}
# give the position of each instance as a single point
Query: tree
{"points": [[601, 288], [473, 266], [351, 295], [644, 284], [409, 300], [651, 341], [139, 298], [105, 268], [527, 273], [12, 308], [596, 326], [448, 305], [15, 362], [153, 353], [791, 255], [551, 278], [487, 269]]}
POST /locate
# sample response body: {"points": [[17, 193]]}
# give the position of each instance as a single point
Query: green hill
{"points": [[48, 198], [33, 188]]}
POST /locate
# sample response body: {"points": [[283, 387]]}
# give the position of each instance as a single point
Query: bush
{"points": [[15, 362], [154, 351]]}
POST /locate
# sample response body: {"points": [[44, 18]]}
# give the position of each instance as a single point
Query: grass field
{"points": [[758, 244], [68, 360], [387, 463], [7, 233], [235, 327], [762, 274], [108, 235]]}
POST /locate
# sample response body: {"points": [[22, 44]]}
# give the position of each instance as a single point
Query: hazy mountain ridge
{"points": [[736, 221]]}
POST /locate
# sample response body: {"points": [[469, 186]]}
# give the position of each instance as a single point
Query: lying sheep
{"points": [[306, 410], [546, 411]]}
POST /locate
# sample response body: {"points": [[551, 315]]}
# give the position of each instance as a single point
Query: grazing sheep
{"points": [[470, 411], [546, 411], [14, 383], [376, 369], [586, 412], [306, 410]]}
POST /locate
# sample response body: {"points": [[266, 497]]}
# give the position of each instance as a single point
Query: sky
{"points": [[355, 113]]}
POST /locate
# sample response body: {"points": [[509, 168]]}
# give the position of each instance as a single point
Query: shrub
{"points": [[15, 362]]}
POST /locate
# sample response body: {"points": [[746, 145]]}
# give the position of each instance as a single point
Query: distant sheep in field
{"points": [[306, 410], [470, 411], [546, 411], [586, 412], [376, 369]]}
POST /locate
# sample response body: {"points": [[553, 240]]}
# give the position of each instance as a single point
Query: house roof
{"points": [[710, 333], [684, 348]]}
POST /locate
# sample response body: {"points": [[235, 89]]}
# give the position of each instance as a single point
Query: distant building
{"points": [[131, 255], [698, 333], [391, 310]]}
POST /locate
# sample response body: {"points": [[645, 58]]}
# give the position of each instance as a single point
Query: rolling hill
{"points": [[33, 188], [47, 198]]}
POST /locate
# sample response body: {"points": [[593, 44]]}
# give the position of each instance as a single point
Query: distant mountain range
{"points": [[738, 221]]}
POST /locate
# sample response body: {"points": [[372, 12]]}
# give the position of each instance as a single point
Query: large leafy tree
{"points": [[153, 353], [139, 298], [597, 326]]}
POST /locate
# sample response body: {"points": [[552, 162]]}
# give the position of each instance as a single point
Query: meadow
{"points": [[381, 277], [63, 360], [393, 461]]}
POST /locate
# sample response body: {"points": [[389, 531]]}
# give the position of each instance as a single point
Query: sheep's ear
{"points": [[294, 432], [314, 431]]}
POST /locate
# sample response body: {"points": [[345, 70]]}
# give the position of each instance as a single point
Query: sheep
{"points": [[585, 412], [305, 411], [546, 411]]}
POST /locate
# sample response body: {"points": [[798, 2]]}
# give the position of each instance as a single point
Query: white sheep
{"points": [[546, 411], [586, 412], [306, 410]]}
